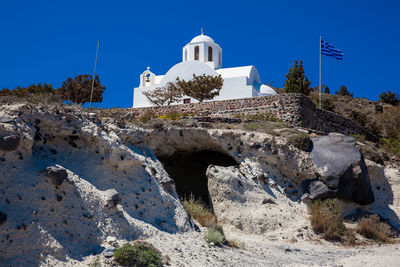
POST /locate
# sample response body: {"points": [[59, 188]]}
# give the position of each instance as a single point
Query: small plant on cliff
{"points": [[168, 94], [392, 142], [296, 80], [202, 87], [358, 117], [196, 210], [173, 115], [147, 116], [140, 254], [371, 227], [215, 235], [328, 105], [326, 219]]}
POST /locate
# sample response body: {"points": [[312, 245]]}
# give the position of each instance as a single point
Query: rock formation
{"points": [[68, 177], [341, 170]]}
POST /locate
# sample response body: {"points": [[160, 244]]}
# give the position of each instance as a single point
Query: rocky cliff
{"points": [[70, 181]]}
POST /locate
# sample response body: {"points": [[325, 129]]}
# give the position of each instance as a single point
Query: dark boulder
{"points": [[341, 170], [56, 174], [3, 217], [9, 143]]}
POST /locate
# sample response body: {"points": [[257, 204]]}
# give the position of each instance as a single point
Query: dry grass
{"points": [[197, 211], [235, 243], [326, 219], [351, 239], [371, 227]]}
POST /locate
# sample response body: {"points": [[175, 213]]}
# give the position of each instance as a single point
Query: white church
{"points": [[204, 56]]}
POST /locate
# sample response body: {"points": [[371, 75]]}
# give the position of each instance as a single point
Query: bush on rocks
{"points": [[146, 117], [326, 219], [140, 254], [196, 210], [371, 227], [215, 235]]}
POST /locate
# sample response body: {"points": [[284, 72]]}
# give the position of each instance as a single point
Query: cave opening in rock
{"points": [[188, 170]]}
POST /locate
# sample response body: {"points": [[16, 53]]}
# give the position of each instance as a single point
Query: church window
{"points": [[220, 58], [196, 52], [210, 55], [185, 54], [186, 101]]}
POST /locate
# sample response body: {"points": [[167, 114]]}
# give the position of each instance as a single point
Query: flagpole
{"points": [[94, 73], [320, 39]]}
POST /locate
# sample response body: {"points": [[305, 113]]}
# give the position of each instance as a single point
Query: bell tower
{"points": [[203, 48]]}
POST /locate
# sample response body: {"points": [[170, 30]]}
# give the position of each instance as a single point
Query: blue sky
{"points": [[49, 41]]}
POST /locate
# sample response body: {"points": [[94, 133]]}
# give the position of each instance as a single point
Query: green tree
{"points": [[296, 80], [389, 98], [78, 90], [202, 87], [168, 94], [344, 92], [327, 91]]}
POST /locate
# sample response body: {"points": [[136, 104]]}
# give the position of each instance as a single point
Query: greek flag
{"points": [[328, 49]]}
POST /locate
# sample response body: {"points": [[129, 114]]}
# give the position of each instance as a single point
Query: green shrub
{"points": [[358, 117], [214, 235], [147, 116], [140, 254], [328, 105], [196, 210], [392, 143], [371, 227], [326, 219], [359, 137], [252, 126]]}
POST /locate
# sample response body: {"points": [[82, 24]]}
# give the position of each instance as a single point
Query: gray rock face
{"points": [[9, 143], [56, 174], [341, 168], [112, 197]]}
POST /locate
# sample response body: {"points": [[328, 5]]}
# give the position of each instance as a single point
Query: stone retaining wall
{"points": [[294, 109]]}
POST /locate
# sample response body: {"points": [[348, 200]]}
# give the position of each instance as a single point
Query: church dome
{"points": [[185, 71], [202, 38], [267, 90]]}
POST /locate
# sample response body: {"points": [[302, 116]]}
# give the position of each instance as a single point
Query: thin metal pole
{"points": [[320, 40], [94, 72]]}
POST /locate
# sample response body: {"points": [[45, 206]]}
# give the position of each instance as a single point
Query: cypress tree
{"points": [[296, 80]]}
